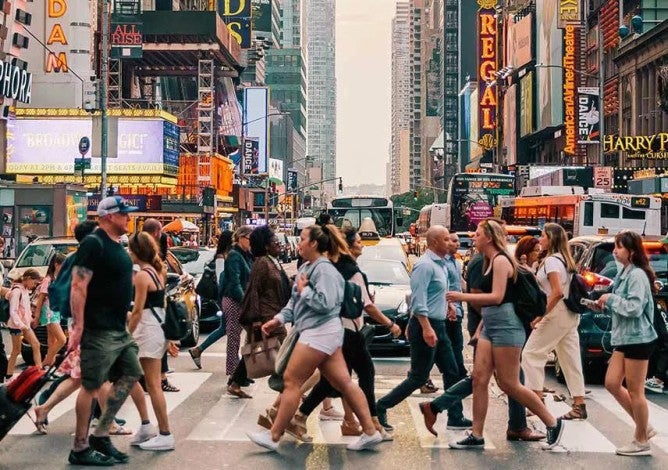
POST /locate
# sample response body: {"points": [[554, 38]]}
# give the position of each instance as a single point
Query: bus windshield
{"points": [[473, 197], [382, 218]]}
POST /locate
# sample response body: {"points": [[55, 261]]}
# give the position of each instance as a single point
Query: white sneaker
{"points": [[366, 442], [263, 439], [387, 436], [331, 414], [159, 442], [654, 385], [143, 434], [635, 448], [651, 432]]}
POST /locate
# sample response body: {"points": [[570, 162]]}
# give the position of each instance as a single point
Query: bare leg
{"points": [[83, 409], [335, 370], [64, 390], [56, 340], [636, 371], [30, 337], [153, 383], [613, 382], [482, 373], [139, 399], [348, 415], [16, 349]]}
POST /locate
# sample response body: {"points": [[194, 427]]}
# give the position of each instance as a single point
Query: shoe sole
{"points": [[461, 447], [458, 428], [366, 446], [138, 443], [635, 454], [262, 444], [158, 448], [653, 390]]}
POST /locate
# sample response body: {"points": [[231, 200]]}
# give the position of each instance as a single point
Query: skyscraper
{"points": [[321, 70], [401, 100]]}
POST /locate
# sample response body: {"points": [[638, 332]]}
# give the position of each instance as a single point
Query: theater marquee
{"points": [[487, 66]]}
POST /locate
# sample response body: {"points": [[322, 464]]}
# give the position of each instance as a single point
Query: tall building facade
{"points": [[399, 179], [321, 103], [416, 87]]}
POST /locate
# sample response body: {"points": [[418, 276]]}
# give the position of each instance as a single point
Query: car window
{"points": [[603, 261], [40, 255], [385, 272], [658, 260], [577, 251], [173, 265]]}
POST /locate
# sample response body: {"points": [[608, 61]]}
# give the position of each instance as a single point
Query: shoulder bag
{"points": [[175, 325], [260, 356], [285, 351]]}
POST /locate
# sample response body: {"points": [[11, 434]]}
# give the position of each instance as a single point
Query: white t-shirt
{"points": [[552, 264]]}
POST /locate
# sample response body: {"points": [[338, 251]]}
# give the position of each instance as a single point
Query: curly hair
{"points": [[260, 239]]}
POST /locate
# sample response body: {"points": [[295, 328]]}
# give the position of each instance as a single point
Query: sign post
{"points": [[83, 163]]}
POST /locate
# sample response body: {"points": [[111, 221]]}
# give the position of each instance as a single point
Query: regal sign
{"points": [[487, 66], [641, 147], [570, 116]]}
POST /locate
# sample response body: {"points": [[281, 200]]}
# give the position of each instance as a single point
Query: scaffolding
{"points": [[205, 120]]}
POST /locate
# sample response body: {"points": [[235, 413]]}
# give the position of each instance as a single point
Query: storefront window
{"points": [[9, 245], [33, 222]]}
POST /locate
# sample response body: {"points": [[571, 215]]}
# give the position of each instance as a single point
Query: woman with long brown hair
{"points": [[633, 337], [557, 330], [145, 324], [500, 336]]}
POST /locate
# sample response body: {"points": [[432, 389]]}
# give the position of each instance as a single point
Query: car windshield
{"points": [[38, 255], [604, 263], [193, 261], [395, 253], [384, 272]]}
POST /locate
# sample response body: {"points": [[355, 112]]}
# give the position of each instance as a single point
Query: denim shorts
{"points": [[326, 338], [501, 326]]}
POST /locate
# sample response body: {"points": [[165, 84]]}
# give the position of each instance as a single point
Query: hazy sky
{"points": [[363, 50]]}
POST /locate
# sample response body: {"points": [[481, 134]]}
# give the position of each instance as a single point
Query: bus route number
{"points": [[640, 202]]}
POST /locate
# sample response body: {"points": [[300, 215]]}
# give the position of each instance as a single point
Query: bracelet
{"points": [[392, 323]]}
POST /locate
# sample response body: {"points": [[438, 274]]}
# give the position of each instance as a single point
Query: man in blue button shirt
{"points": [[427, 330], [453, 326]]}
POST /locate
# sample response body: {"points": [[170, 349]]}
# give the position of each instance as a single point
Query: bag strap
{"points": [[158, 286]]}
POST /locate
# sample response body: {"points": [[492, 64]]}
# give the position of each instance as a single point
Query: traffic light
{"points": [[91, 95], [340, 184]]}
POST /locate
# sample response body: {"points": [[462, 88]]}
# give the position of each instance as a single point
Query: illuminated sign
{"points": [[56, 55], [568, 63], [487, 66], [640, 147], [569, 12], [15, 82], [41, 146], [589, 131], [237, 16]]}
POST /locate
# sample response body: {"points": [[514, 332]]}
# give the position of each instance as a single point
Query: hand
{"points": [[270, 326], [600, 303], [454, 296], [395, 330], [429, 336], [74, 339], [535, 322], [302, 282], [173, 349], [452, 313]]}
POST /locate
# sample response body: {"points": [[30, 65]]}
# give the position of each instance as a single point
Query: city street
{"points": [[210, 428]]}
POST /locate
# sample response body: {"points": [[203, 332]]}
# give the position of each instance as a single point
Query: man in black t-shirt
{"points": [[100, 300]]}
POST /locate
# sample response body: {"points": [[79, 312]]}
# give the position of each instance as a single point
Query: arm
{"points": [[81, 277], [324, 291], [233, 269], [39, 303], [419, 283], [632, 305], [142, 280], [502, 271], [557, 293]]}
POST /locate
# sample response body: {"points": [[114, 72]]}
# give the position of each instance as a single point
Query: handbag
{"points": [[260, 356], [175, 325], [285, 351]]}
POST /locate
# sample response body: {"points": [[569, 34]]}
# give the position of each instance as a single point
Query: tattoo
{"points": [[80, 279], [119, 393]]}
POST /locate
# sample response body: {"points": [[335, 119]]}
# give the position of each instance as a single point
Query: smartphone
{"points": [[589, 303]]}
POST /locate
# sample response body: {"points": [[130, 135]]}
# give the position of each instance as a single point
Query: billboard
{"points": [[237, 16], [255, 125], [521, 44], [589, 130], [510, 124], [49, 146], [569, 12], [487, 67], [549, 101], [276, 169], [250, 156], [262, 15], [526, 104]]}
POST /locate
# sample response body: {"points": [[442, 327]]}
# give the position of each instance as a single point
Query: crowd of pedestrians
{"points": [[116, 340]]}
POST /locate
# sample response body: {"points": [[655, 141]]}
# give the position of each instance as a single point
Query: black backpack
{"points": [[577, 290], [352, 305], [530, 300], [207, 287]]}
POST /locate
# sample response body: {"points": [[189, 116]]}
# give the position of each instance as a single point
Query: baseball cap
{"points": [[113, 205]]}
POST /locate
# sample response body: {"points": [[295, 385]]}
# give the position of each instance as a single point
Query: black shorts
{"points": [[640, 352]]}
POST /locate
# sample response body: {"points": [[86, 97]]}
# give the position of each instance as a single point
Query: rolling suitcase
{"points": [[16, 397]]}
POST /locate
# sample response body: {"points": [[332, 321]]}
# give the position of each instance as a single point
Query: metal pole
{"points": [[104, 66], [266, 200], [601, 96]]}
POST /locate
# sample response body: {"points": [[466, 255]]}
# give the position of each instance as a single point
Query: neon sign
{"points": [[568, 63], [56, 62], [487, 66]]}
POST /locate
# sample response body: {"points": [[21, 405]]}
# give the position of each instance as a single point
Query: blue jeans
{"points": [[454, 331], [215, 335], [517, 418], [423, 358]]}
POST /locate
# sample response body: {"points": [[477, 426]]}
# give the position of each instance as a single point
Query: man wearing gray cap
{"points": [[100, 300]]}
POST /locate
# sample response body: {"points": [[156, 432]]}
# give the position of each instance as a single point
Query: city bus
{"points": [[584, 214], [432, 214], [353, 210], [473, 197]]}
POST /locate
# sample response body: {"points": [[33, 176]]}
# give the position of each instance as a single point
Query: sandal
{"points": [[40, 425], [167, 387], [119, 430], [237, 392], [577, 413], [297, 429]]}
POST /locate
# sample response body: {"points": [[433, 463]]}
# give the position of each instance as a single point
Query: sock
{"points": [[144, 422], [165, 433]]}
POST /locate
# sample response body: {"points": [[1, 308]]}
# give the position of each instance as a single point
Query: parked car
{"points": [[389, 283], [193, 261], [597, 265], [180, 285]]}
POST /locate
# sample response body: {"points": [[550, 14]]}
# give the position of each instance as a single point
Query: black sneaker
{"points": [[469, 442], [382, 419], [554, 435], [461, 424], [104, 446], [90, 457]]}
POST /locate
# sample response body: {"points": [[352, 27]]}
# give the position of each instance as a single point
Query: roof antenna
{"points": [[644, 226]]}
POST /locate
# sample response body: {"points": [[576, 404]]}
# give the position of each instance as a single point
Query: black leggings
{"points": [[3, 360], [357, 359]]}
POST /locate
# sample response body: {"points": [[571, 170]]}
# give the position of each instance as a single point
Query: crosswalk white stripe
{"points": [[658, 416], [188, 382]]}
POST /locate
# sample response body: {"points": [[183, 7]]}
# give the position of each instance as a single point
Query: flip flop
{"points": [[118, 430], [40, 426]]}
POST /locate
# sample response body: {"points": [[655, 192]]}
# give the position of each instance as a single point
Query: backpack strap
{"points": [[158, 287]]}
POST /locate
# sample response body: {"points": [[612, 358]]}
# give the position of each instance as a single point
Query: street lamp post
{"points": [[104, 119]]}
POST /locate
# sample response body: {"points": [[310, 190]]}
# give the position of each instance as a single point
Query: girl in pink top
{"points": [[20, 318]]}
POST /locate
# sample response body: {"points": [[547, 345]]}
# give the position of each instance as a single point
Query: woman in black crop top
{"points": [[500, 337], [144, 323]]}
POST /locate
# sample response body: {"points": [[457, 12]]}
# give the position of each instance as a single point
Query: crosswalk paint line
{"points": [[188, 382], [577, 436], [658, 416]]}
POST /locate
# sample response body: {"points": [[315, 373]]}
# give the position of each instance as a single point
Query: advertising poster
{"points": [[589, 131], [521, 44], [256, 109], [526, 104], [276, 170], [250, 156], [510, 123], [76, 211], [549, 101]]}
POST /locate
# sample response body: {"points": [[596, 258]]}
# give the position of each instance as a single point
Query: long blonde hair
{"points": [[497, 234], [557, 243]]}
